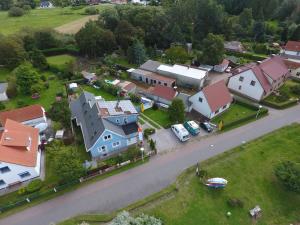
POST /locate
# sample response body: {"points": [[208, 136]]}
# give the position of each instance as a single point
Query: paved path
{"points": [[122, 189]]}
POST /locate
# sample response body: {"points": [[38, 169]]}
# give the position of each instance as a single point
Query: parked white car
{"points": [[180, 132]]}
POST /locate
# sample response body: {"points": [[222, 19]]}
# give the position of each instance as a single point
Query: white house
{"points": [[32, 115], [291, 50], [184, 75], [20, 157], [211, 100], [258, 80], [3, 88]]}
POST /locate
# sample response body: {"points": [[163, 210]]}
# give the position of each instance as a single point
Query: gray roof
{"points": [[150, 65], [88, 75], [3, 87]]}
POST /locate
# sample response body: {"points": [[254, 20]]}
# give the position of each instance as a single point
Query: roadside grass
{"points": [[250, 172], [47, 96], [99, 92], [235, 112], [60, 61], [159, 116], [42, 18]]}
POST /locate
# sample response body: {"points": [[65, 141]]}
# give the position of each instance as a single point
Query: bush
{"points": [[155, 106], [296, 90], [148, 132], [235, 202], [152, 144], [27, 8], [34, 186], [2, 106], [15, 12], [91, 11], [22, 191], [289, 174], [135, 98]]}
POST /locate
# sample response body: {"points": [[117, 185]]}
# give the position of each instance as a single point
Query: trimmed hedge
{"points": [[284, 105], [247, 55], [71, 50]]}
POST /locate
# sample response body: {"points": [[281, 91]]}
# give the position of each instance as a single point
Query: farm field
{"points": [[250, 173], [41, 18]]}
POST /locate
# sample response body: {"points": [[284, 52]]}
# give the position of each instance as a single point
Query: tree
{"points": [[177, 54], [12, 87], [125, 34], [60, 112], [66, 162], [26, 77], [94, 41], [212, 50], [296, 34], [22, 3], [245, 19], [6, 4], [289, 174], [176, 111], [15, 12], [44, 39], [137, 53], [12, 52], [259, 31], [110, 18], [38, 59]]}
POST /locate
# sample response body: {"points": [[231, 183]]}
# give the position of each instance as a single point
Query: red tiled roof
{"points": [[292, 46], [217, 95], [19, 144], [163, 92], [22, 114], [292, 64]]}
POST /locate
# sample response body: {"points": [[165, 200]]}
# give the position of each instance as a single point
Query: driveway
{"points": [[120, 190]]}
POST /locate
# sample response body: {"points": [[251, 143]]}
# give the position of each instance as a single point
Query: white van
{"points": [[180, 132]]}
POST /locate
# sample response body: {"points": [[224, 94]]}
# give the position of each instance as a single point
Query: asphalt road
{"points": [[120, 190]]}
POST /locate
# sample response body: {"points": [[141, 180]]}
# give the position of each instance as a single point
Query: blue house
{"points": [[107, 126]]}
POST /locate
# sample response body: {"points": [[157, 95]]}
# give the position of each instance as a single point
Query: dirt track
{"points": [[74, 26]]}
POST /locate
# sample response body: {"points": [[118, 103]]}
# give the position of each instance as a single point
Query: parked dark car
{"points": [[206, 126]]}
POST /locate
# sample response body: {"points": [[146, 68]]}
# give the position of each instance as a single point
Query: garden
{"points": [[160, 116], [287, 95]]}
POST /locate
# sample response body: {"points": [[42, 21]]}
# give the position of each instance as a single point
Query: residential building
{"points": [[32, 115], [20, 156], [186, 76], [234, 46], [107, 126], [152, 78], [127, 87], [46, 5], [222, 66], [161, 94], [291, 50], [211, 100], [258, 80], [3, 95]]}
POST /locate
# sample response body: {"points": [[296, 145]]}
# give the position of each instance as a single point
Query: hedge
{"points": [[71, 50], [284, 105], [247, 55]]}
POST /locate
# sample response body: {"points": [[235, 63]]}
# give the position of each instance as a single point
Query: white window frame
{"points": [[107, 137], [117, 144], [102, 149]]}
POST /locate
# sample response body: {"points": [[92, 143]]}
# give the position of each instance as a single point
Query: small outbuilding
{"points": [[3, 89]]}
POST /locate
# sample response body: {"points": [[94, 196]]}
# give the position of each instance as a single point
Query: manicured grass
{"points": [[159, 116], [249, 170], [47, 96], [41, 18], [99, 92], [235, 112], [60, 61]]}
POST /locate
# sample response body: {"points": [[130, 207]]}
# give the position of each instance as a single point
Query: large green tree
{"points": [[212, 50], [125, 34], [177, 54], [60, 112], [289, 174], [38, 59], [137, 53], [27, 77], [6, 4], [176, 111]]}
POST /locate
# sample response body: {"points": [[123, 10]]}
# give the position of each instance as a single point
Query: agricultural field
{"points": [[249, 170], [42, 18]]}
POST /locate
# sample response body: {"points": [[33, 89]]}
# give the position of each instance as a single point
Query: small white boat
{"points": [[216, 182]]}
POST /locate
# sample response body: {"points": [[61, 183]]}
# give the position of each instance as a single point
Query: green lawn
{"points": [[99, 92], [41, 18], [60, 61], [159, 116], [235, 112], [47, 96], [249, 170]]}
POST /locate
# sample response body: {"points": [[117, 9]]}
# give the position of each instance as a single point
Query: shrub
{"points": [[91, 11], [15, 12], [152, 144], [47, 85], [235, 202], [135, 98], [34, 186], [22, 191], [2, 106], [27, 8], [155, 106], [148, 132], [296, 90]]}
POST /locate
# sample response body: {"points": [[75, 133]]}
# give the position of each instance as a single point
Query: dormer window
{"points": [[107, 137]]}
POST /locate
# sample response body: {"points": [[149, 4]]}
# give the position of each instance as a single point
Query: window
{"points": [[116, 144], [241, 79], [107, 137], [240, 87], [165, 84], [102, 148], [125, 120], [159, 82], [25, 174], [2, 182], [4, 169], [224, 107], [117, 121], [200, 99], [216, 112], [154, 81], [252, 83]]}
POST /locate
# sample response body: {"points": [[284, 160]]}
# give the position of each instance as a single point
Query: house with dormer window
{"points": [[108, 127]]}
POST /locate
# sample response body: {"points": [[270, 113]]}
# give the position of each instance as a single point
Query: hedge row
{"points": [[263, 112], [281, 105], [71, 50], [247, 55]]}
